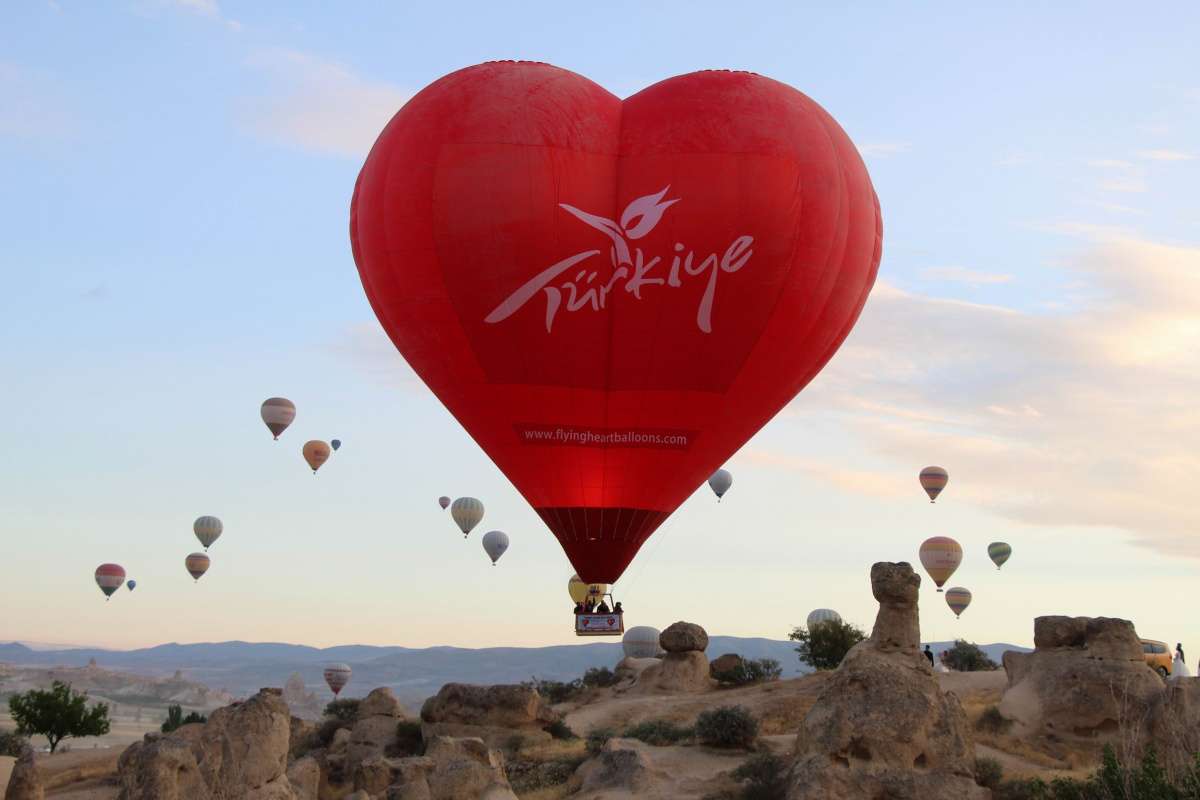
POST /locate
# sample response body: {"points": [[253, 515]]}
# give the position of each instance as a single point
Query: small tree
{"points": [[176, 719], [967, 657], [345, 710], [825, 644], [57, 713]]}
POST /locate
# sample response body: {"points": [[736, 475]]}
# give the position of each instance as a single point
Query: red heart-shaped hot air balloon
{"points": [[613, 296]]}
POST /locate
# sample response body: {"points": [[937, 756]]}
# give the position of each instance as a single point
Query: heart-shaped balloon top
{"points": [[613, 296]]}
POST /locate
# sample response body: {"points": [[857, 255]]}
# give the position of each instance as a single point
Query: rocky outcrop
{"points": [[683, 637], [881, 727], [160, 768], [623, 764], [303, 703], [684, 668], [1086, 677], [494, 714], [304, 775], [25, 782], [374, 728], [726, 663]]}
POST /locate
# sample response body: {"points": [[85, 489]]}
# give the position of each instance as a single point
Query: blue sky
{"points": [[173, 242]]}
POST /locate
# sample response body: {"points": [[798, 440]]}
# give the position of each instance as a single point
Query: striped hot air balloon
{"points": [[641, 641], [197, 564], [999, 552], [940, 555], [316, 453], [207, 530], [337, 676], [719, 482], [444, 502], [110, 577], [277, 413], [958, 599], [933, 480], [466, 512], [819, 615], [494, 544]]}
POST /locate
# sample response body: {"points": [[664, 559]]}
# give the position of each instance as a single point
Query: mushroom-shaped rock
{"points": [[494, 714], [897, 626], [683, 637]]}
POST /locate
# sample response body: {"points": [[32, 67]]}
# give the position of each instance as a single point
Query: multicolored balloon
{"points": [[933, 480], [494, 544], [316, 453], [443, 501], [277, 413], [337, 676], [110, 577], [958, 599], [207, 530], [581, 591], [819, 615], [131, 584], [336, 444], [466, 513], [197, 564], [999, 552], [641, 641], [719, 482], [940, 555], [505, 224]]}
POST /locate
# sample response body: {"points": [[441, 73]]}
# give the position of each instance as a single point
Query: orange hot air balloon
{"points": [[933, 480], [958, 599], [940, 555], [316, 453], [197, 564]]}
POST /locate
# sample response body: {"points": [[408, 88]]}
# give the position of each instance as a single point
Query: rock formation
{"points": [[491, 713], [622, 764], [882, 728], [25, 783], [374, 727], [303, 703], [684, 668], [1086, 677]]}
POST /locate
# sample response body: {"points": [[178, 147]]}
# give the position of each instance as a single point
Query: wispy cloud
{"points": [[319, 105], [1166, 155], [955, 274], [883, 149]]}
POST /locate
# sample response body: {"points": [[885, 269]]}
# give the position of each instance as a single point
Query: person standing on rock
{"points": [[1179, 668], [929, 655]]}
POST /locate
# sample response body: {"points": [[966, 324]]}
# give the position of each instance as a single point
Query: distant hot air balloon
{"points": [[207, 530], [197, 564], [958, 599], [494, 544], [581, 591], [443, 501], [719, 482], [316, 453], [277, 413], [336, 444], [110, 577], [466, 512], [940, 556], [819, 615], [933, 480], [641, 641], [131, 584], [337, 676], [999, 552]]}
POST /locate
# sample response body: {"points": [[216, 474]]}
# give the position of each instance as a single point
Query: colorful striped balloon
{"points": [[337, 676], [467, 512], [933, 480], [999, 552], [110, 577], [958, 599], [277, 413], [197, 564], [207, 530], [940, 556]]}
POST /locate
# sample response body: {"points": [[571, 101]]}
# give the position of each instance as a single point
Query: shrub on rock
{"points": [[727, 726]]}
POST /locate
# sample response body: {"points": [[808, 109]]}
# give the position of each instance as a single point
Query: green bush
{"points": [[658, 732], [992, 721], [826, 643], [56, 713], [328, 728], [596, 739], [727, 726], [530, 776], [409, 741], [750, 672], [763, 777], [557, 691], [12, 744], [599, 677], [560, 730], [176, 719], [345, 709], [988, 772], [965, 656], [1146, 780]]}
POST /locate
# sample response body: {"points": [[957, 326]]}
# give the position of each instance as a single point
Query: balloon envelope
{"points": [[207, 530], [336, 444], [131, 584], [581, 590], [277, 413], [316, 453], [466, 513], [494, 544], [197, 564], [337, 676], [933, 480], [940, 555], [109, 577], [591, 287], [819, 615], [999, 552], [958, 599], [641, 641], [720, 481], [443, 501]]}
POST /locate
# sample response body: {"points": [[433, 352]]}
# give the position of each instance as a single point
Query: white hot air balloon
{"points": [[466, 512], [337, 676], [819, 615], [494, 544], [719, 482], [207, 530], [641, 641]]}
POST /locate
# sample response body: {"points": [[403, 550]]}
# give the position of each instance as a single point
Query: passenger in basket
{"points": [[579, 608], [617, 609], [603, 608]]}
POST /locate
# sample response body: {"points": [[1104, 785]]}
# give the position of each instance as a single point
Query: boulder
{"points": [[676, 672], [502, 706], [466, 769], [882, 727], [623, 764], [373, 775], [683, 637], [302, 736], [304, 775], [630, 669], [375, 728], [244, 747], [340, 741], [25, 782], [1085, 676], [160, 768]]}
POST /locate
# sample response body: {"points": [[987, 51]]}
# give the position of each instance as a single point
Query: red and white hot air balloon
{"points": [[109, 577], [613, 295], [337, 676]]}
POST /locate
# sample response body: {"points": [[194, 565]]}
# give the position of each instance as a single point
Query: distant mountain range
{"points": [[242, 668]]}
